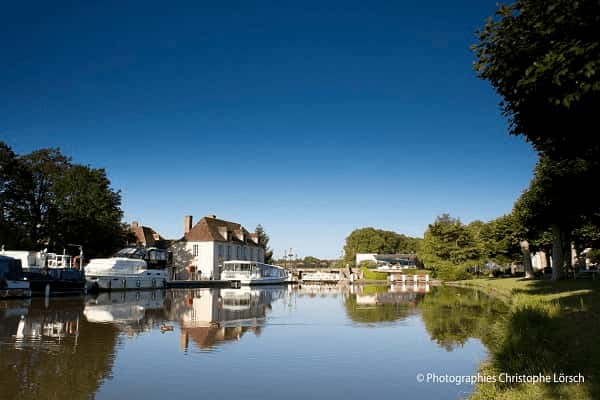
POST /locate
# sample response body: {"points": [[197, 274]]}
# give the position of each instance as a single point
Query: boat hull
{"points": [[56, 282], [260, 281], [132, 282]]}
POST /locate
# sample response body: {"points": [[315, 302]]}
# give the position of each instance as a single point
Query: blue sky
{"points": [[312, 118]]}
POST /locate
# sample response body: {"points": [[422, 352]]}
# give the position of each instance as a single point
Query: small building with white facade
{"points": [[205, 245]]}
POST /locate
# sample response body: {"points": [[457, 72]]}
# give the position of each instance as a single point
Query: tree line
{"points": [[543, 59], [48, 201]]}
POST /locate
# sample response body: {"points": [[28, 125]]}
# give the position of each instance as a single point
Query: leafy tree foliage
{"points": [[371, 240], [49, 202], [549, 204], [449, 248], [311, 262], [543, 59], [264, 242]]}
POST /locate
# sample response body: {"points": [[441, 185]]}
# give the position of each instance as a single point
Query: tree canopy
{"points": [[449, 247], [50, 202], [263, 239], [543, 59]]}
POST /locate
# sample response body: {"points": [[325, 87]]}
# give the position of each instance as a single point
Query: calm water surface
{"points": [[264, 343]]}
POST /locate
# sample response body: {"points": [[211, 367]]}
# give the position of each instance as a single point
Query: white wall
{"points": [[365, 257], [208, 259]]}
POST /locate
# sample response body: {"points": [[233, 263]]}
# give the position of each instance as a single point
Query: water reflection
{"points": [[44, 346], [370, 304], [70, 347], [132, 312], [207, 317]]}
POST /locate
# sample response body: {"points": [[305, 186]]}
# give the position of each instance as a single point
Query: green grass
{"points": [[551, 327]]}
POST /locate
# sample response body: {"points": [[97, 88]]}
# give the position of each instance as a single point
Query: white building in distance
{"points": [[204, 247]]}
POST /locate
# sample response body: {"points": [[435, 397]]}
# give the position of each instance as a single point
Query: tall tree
{"points": [[449, 247], [263, 239], [15, 183], [549, 204], [88, 211], [543, 59], [46, 167]]}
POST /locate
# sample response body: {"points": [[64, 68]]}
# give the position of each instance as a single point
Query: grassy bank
{"points": [[551, 328]]}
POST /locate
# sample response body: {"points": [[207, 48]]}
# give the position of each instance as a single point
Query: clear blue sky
{"points": [[312, 118]]}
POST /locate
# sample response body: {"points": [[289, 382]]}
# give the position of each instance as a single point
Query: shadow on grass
{"points": [[552, 328]]}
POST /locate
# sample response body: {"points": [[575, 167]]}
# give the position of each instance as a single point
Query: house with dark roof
{"points": [[204, 246], [146, 236]]}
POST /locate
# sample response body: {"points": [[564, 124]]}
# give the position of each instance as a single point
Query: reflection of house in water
{"points": [[134, 310], [369, 304], [209, 316], [395, 294]]}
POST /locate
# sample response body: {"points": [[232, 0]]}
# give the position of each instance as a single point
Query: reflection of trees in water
{"points": [[453, 315], [59, 355], [371, 304]]}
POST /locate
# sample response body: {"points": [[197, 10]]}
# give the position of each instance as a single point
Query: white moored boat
{"points": [[253, 273], [121, 273]]}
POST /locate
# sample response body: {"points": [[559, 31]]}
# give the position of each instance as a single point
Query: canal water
{"points": [[304, 342]]}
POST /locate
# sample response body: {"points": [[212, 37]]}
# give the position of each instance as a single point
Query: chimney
{"points": [[135, 225], [187, 223]]}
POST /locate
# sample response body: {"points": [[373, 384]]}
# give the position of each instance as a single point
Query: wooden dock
{"points": [[179, 284]]}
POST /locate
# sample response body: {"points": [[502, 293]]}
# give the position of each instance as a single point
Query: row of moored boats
{"points": [[26, 273]]}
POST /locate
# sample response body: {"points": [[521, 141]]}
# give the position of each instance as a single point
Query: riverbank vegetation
{"points": [[48, 201], [550, 328]]}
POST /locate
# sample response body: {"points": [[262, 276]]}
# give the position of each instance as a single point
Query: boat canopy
{"points": [[116, 264], [10, 268]]}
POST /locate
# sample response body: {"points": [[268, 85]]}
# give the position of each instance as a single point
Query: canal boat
{"points": [[12, 281], [50, 273], [253, 273], [122, 273]]}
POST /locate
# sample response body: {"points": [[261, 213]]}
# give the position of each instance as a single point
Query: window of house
{"points": [[195, 250], [220, 250], [237, 251], [244, 252], [228, 252], [252, 253], [259, 254]]}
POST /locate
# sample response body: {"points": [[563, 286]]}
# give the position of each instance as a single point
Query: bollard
{"points": [[415, 277], [427, 278]]}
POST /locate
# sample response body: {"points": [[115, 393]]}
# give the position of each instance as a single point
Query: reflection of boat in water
{"points": [[48, 350], [123, 307], [210, 316], [39, 322], [253, 273], [12, 280], [123, 273]]}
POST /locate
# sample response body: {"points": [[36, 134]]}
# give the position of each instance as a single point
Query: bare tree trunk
{"points": [[527, 260], [557, 253]]}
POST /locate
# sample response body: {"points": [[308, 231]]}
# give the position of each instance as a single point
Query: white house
{"points": [[204, 246]]}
